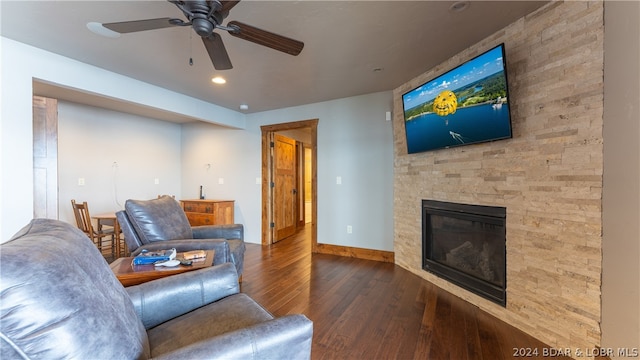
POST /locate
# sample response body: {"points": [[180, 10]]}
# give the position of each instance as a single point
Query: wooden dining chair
{"points": [[83, 220]]}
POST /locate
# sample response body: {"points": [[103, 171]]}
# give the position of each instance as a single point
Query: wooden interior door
{"points": [[45, 157], [284, 187]]}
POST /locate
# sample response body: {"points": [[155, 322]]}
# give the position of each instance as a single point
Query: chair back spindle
{"points": [[83, 221]]}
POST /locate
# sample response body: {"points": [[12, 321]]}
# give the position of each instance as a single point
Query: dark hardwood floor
{"points": [[365, 309]]}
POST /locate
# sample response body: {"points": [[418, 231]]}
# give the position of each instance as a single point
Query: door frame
{"points": [[302, 192], [267, 132]]}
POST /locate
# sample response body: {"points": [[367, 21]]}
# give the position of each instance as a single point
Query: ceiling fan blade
{"points": [[266, 38], [138, 25], [228, 5], [217, 52]]}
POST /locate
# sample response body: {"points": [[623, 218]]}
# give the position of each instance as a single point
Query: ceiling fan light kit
{"points": [[205, 16]]}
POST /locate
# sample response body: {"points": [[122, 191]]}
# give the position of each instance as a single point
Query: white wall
{"points": [[354, 142], [621, 177], [234, 157], [118, 155], [20, 64]]}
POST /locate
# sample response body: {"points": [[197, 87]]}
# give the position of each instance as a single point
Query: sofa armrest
{"points": [[221, 247], [230, 231], [287, 337], [160, 300]]}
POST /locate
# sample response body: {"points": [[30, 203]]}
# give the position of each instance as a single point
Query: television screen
{"points": [[463, 106]]}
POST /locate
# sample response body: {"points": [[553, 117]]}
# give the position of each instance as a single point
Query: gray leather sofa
{"points": [[59, 299], [161, 223]]}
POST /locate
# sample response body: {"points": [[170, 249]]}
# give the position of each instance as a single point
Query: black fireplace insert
{"points": [[466, 245]]}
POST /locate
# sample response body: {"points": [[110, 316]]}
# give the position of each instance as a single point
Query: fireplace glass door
{"points": [[466, 245]]}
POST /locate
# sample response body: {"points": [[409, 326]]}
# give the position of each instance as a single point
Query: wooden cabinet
{"points": [[208, 212]]}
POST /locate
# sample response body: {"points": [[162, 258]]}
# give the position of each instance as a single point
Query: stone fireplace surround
{"points": [[548, 176]]}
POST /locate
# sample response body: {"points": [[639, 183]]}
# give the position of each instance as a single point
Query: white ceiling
{"points": [[344, 42]]}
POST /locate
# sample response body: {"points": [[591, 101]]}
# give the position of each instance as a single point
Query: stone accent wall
{"points": [[548, 176]]}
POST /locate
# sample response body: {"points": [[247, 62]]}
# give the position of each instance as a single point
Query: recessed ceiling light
{"points": [[219, 80], [244, 107], [459, 6], [378, 70], [98, 29]]}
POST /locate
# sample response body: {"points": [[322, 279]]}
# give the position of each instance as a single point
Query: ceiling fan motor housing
{"points": [[202, 27], [203, 15]]}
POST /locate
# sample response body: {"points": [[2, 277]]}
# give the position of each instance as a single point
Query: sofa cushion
{"points": [[59, 299], [158, 219], [229, 314]]}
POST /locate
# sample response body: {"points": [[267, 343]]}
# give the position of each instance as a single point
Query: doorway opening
{"points": [[289, 180]]}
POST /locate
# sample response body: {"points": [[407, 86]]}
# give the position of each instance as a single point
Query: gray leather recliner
{"points": [[161, 223], [59, 299]]}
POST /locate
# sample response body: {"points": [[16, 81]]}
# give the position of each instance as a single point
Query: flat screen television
{"points": [[466, 105]]}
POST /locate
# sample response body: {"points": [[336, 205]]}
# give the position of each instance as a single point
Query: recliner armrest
{"points": [[231, 231], [287, 337], [160, 300]]}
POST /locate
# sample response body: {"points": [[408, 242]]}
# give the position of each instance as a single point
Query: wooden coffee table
{"points": [[130, 274]]}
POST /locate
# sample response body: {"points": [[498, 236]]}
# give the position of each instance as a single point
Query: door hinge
{"points": [[273, 184], [272, 225], [272, 144]]}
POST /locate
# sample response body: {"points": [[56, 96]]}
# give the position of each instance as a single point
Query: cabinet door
{"points": [[224, 212]]}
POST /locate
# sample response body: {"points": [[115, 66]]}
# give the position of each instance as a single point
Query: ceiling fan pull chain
{"points": [[190, 49]]}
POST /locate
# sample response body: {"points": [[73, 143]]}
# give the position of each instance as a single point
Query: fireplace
{"points": [[466, 245]]}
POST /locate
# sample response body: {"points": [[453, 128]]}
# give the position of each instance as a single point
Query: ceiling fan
{"points": [[204, 17]]}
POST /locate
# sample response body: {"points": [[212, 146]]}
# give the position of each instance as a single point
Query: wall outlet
{"points": [[81, 181], [220, 181], [339, 180], [349, 229], [156, 181]]}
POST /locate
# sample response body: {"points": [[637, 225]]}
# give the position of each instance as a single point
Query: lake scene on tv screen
{"points": [[466, 105]]}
